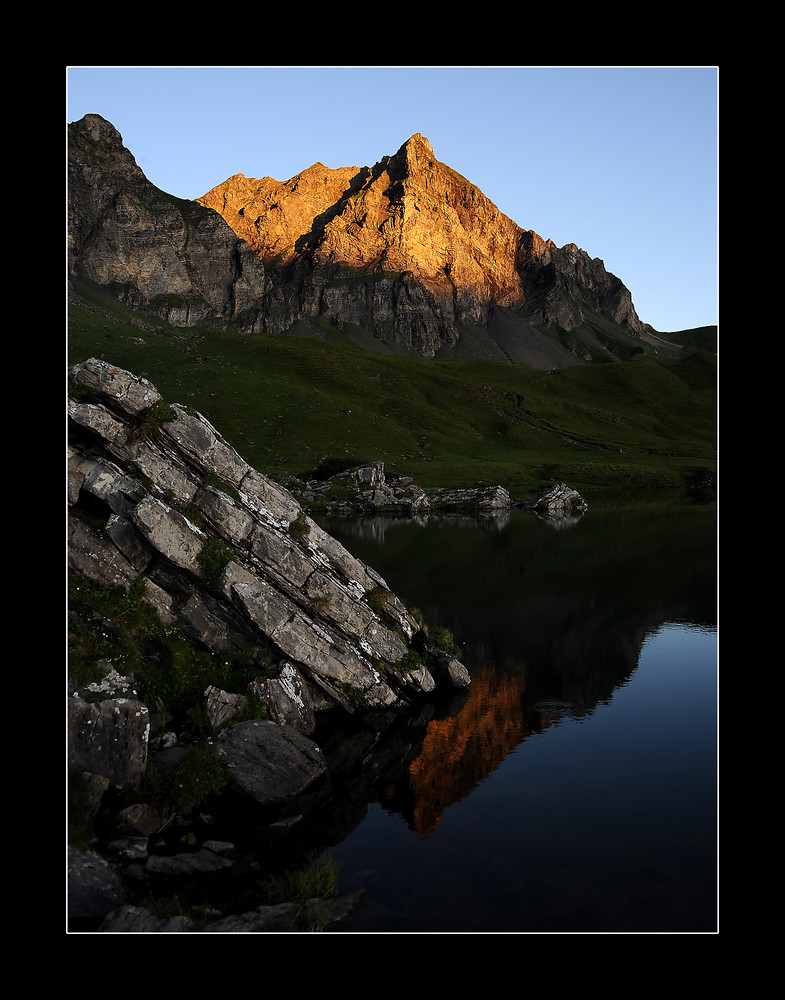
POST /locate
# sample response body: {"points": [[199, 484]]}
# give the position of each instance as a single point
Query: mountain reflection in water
{"points": [[460, 751], [552, 625]]}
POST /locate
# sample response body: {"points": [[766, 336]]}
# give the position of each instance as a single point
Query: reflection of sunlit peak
{"points": [[460, 751]]}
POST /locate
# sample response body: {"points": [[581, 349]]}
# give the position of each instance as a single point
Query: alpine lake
{"points": [[573, 786]]}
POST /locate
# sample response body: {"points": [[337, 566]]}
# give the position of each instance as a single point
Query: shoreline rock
{"points": [[163, 508], [557, 504], [365, 491]]}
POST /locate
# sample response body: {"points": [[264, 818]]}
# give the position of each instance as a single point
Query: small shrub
{"points": [[312, 880], [153, 420], [443, 638], [410, 662], [355, 695], [417, 617], [195, 514], [377, 598], [299, 527], [212, 559], [254, 708], [211, 479], [80, 811]]}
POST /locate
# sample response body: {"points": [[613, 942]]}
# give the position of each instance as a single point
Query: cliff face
{"points": [[407, 252], [407, 214], [153, 251]]}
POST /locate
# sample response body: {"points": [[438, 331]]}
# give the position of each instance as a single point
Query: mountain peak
{"points": [[407, 250], [418, 142], [413, 218]]}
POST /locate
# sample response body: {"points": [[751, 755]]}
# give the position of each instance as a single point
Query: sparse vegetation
{"points": [[410, 662], [211, 479], [444, 640], [377, 597], [314, 878], [417, 617], [299, 527], [168, 670], [354, 695], [212, 559], [153, 420], [181, 789]]}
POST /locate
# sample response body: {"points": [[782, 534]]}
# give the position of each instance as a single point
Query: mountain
{"points": [[155, 252], [406, 256], [412, 251]]}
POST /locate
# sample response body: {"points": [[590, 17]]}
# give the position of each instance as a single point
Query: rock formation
{"points": [[407, 253], [366, 490], [161, 507], [151, 250], [172, 490], [559, 503]]}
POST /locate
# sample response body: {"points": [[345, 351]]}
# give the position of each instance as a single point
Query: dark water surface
{"points": [[573, 788]]}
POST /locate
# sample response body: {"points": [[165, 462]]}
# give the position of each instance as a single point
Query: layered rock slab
{"points": [[175, 491]]}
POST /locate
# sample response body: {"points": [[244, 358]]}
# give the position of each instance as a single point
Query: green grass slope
{"points": [[288, 402]]}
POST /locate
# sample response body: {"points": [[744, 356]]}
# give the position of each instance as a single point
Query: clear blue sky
{"points": [[621, 161]]}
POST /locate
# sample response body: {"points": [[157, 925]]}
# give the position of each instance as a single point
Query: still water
{"points": [[573, 787]]}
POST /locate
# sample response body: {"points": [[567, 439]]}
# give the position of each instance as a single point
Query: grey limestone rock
{"points": [[108, 730], [172, 494]]}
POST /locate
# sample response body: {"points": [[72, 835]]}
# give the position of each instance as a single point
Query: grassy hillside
{"points": [[288, 402]]}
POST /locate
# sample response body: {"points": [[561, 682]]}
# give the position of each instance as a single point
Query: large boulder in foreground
{"points": [[269, 763]]}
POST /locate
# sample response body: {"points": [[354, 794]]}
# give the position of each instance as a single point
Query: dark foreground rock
{"points": [[162, 509], [94, 887], [323, 914], [269, 763], [99, 902]]}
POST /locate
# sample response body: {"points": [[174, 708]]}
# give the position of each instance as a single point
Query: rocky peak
{"points": [[416, 219], [416, 155], [150, 249], [418, 145]]}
